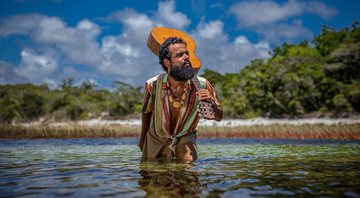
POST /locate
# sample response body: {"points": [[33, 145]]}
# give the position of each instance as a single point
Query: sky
{"points": [[45, 41]]}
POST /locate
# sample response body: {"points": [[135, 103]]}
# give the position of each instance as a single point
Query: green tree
{"points": [[66, 83], [129, 100], [88, 85], [214, 77], [8, 105], [329, 39]]}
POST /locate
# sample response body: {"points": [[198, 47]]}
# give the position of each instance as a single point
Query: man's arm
{"points": [[218, 112], [145, 125], [204, 94]]}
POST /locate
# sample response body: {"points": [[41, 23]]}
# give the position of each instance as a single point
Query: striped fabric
{"points": [[156, 102]]}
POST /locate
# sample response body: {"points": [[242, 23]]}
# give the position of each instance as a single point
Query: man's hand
{"points": [[145, 125], [141, 144], [204, 94]]}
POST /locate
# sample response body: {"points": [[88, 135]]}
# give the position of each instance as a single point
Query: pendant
{"points": [[176, 104]]}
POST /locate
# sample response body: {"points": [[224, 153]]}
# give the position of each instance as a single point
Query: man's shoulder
{"points": [[202, 79], [152, 79]]}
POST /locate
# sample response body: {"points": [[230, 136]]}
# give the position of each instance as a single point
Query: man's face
{"points": [[181, 68]]}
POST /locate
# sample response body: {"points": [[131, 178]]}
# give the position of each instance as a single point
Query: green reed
{"points": [[68, 131], [305, 131]]}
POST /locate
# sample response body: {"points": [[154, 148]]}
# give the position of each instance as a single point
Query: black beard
{"points": [[183, 73]]}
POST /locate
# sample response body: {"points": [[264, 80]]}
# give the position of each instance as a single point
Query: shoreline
{"points": [[204, 123], [334, 129]]}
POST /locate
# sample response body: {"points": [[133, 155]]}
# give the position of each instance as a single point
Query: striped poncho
{"points": [[156, 102]]}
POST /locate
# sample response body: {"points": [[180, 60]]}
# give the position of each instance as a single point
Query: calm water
{"points": [[226, 168]]}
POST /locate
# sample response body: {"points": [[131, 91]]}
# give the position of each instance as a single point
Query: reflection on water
{"points": [[226, 168], [169, 179]]}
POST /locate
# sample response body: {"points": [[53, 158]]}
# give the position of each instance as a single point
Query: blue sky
{"points": [[105, 41]]}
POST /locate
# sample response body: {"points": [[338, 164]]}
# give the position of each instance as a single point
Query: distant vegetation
{"points": [[28, 102], [318, 79], [298, 80]]}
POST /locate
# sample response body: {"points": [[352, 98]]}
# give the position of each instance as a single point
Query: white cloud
{"points": [[8, 75], [111, 46], [321, 9], [52, 84], [211, 30], [22, 24], [167, 15], [87, 80], [36, 67], [127, 55], [132, 20], [89, 29], [54, 30], [277, 33], [77, 74], [241, 40], [263, 49], [124, 56], [257, 13], [78, 45], [218, 53], [71, 72]]}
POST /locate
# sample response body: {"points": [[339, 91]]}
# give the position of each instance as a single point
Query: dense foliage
{"points": [[26, 102], [297, 80]]}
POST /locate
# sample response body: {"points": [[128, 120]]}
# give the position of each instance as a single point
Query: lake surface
{"points": [[226, 168]]}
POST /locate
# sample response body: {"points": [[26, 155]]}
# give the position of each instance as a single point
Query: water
{"points": [[226, 168]]}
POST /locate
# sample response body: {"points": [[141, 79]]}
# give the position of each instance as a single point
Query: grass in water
{"points": [[305, 131]]}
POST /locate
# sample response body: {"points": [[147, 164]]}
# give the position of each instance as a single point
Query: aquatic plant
{"points": [[286, 131]]}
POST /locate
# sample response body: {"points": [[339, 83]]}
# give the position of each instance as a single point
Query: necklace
{"points": [[176, 102]]}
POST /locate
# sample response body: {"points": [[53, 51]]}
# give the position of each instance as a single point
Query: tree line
{"points": [[317, 79], [322, 79], [28, 102]]}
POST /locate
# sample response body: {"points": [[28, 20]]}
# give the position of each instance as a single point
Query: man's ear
{"points": [[167, 63]]}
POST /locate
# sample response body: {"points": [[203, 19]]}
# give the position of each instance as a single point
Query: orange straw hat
{"points": [[159, 34]]}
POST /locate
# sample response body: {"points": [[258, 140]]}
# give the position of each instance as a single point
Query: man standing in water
{"points": [[170, 107]]}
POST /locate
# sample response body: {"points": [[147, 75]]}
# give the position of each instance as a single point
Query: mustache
{"points": [[186, 62]]}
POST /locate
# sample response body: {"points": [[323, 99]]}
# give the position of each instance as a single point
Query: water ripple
{"points": [[226, 168]]}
